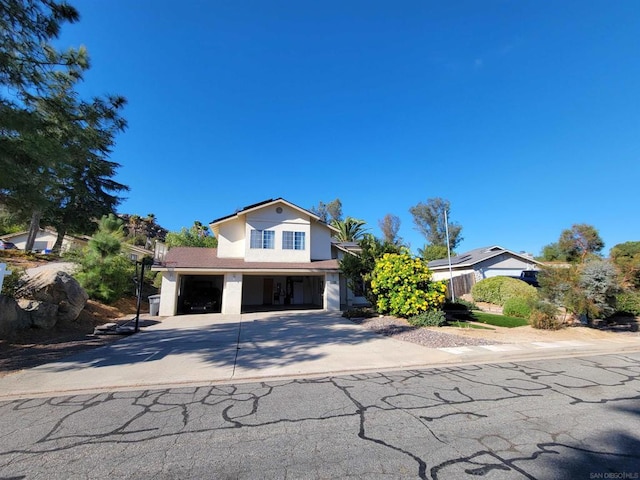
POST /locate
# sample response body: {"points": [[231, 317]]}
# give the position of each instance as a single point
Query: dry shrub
{"points": [[544, 316]]}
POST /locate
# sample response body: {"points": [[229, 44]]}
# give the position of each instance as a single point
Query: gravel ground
{"points": [[400, 329]]}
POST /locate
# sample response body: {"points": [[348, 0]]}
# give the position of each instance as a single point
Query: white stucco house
{"points": [[483, 263], [270, 255], [45, 240]]}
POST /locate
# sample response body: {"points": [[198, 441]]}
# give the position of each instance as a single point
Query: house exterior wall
{"points": [[268, 219], [231, 239], [320, 242], [502, 265], [169, 297], [232, 294], [332, 292], [507, 261], [44, 240], [444, 274]]}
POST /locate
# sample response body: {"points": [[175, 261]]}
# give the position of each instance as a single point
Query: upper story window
{"points": [[293, 240], [263, 239]]}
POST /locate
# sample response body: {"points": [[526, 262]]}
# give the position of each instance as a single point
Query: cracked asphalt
{"points": [[567, 418]]}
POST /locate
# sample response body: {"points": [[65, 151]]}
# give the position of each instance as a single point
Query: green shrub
{"points": [[403, 286], [430, 318], [157, 280], [628, 302], [12, 282], [470, 305], [498, 290], [460, 304], [106, 279], [517, 307], [544, 316]]}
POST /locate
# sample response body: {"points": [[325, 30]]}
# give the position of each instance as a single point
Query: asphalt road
{"points": [[569, 418]]}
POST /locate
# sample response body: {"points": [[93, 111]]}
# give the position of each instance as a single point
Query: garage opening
{"points": [[200, 294], [272, 293]]}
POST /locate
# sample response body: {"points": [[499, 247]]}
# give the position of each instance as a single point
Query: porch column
{"points": [[169, 294], [332, 292], [232, 293]]}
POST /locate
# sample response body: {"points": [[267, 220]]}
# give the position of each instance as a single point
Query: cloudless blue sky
{"points": [[525, 115]]}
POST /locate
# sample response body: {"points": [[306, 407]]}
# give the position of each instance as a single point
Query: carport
{"points": [[282, 292]]}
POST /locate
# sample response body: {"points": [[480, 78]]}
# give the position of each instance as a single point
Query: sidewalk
{"points": [[212, 349]]}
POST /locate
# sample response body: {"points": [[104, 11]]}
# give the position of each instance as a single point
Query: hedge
{"points": [[498, 290]]}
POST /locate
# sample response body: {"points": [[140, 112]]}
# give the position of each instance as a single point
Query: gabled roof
{"points": [[472, 257], [83, 238], [353, 248], [263, 204], [137, 249], [207, 258]]}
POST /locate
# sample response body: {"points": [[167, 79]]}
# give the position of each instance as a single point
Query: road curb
{"points": [[472, 358]]}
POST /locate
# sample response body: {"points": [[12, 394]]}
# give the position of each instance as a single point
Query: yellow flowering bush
{"points": [[403, 286]]}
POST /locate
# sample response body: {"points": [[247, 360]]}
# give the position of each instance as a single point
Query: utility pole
{"points": [[446, 229]]}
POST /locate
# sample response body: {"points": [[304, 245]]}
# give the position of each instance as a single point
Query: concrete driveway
{"points": [[210, 348]]}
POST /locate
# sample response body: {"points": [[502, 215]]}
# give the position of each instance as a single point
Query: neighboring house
{"points": [[484, 263], [270, 255], [45, 240], [136, 253]]}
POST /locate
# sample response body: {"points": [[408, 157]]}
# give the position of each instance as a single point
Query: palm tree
{"points": [[135, 222], [200, 229], [349, 230]]}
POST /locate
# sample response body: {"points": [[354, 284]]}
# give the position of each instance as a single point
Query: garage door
{"points": [[200, 294]]}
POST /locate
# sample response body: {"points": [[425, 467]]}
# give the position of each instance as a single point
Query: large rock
{"points": [[12, 317], [40, 314], [57, 288]]}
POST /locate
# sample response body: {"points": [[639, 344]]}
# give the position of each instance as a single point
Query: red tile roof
{"points": [[207, 258]]}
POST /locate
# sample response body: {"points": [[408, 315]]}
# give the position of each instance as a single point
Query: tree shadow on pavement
{"points": [[268, 341], [606, 454]]}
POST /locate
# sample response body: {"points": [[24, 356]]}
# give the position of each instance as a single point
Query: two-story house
{"points": [[272, 254]]}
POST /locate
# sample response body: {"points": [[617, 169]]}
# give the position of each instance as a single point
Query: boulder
{"points": [[40, 314], [12, 317], [57, 288]]}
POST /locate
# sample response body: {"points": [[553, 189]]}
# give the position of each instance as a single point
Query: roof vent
{"points": [[279, 210]]}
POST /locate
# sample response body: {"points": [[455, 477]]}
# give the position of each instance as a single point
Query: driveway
{"points": [[210, 348]]}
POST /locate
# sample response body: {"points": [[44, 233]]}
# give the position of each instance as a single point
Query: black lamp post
{"points": [[139, 279]]}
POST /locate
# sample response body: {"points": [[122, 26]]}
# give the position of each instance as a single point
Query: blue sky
{"points": [[525, 115]]}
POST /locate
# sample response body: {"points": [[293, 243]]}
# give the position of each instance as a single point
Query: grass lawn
{"points": [[463, 324], [498, 320]]}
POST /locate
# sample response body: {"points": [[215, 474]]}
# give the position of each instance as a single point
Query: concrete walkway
{"points": [[215, 348]]}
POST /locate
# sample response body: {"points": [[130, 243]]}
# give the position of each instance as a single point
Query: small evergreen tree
{"points": [[105, 273]]}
